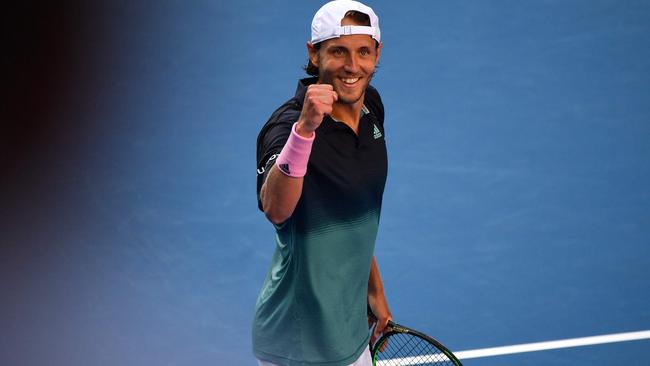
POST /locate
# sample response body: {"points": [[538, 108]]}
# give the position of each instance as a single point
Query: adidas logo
{"points": [[284, 168], [377, 134]]}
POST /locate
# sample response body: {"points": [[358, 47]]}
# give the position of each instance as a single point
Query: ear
{"points": [[378, 52], [312, 53]]}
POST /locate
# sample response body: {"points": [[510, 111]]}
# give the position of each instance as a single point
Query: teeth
{"points": [[350, 80]]}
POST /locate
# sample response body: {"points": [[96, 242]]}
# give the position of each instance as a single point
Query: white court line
{"points": [[540, 346], [562, 343]]}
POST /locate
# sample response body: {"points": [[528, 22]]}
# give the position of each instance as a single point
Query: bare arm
{"points": [[280, 193], [377, 300]]}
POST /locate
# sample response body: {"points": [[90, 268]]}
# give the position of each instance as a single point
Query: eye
{"points": [[364, 52], [338, 52]]}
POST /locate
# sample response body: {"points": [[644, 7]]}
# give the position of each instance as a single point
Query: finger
{"points": [[377, 332], [321, 86], [373, 340], [386, 329], [382, 327], [328, 98], [381, 324], [383, 346]]}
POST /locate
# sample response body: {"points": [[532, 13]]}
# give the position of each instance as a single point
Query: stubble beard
{"points": [[345, 98]]}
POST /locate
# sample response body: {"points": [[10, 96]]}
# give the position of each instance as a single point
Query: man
{"points": [[321, 173]]}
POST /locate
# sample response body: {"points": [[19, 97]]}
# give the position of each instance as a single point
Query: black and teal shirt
{"points": [[312, 307]]}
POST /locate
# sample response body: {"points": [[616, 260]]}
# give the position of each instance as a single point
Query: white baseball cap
{"points": [[327, 21]]}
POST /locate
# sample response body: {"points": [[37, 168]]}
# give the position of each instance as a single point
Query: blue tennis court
{"points": [[517, 208]]}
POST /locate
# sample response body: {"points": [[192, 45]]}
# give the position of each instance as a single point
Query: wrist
{"points": [[302, 130]]}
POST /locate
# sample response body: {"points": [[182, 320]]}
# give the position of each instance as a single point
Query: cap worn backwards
{"points": [[327, 21]]}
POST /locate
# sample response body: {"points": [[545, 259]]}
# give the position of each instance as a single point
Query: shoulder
{"points": [[282, 118], [374, 103]]}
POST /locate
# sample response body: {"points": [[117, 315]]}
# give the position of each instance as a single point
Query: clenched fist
{"points": [[319, 100]]}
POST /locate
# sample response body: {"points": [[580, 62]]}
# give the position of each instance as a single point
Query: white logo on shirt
{"points": [[377, 134]]}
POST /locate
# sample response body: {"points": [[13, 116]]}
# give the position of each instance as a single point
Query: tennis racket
{"points": [[401, 346]]}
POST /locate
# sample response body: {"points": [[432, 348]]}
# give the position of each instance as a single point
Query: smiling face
{"points": [[347, 63]]}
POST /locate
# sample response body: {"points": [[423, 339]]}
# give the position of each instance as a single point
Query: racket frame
{"points": [[400, 329]]}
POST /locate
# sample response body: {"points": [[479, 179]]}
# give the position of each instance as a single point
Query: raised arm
{"points": [[282, 189]]}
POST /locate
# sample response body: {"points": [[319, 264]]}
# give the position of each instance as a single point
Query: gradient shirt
{"points": [[312, 306]]}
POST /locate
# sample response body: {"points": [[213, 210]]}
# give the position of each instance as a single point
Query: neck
{"points": [[350, 114]]}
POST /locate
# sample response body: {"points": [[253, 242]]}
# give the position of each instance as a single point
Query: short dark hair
{"points": [[359, 18]]}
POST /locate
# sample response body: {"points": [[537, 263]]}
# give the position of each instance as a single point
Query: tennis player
{"points": [[322, 167]]}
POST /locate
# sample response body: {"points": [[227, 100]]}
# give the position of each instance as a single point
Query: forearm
{"points": [[375, 285], [377, 301], [283, 186], [376, 296], [279, 195]]}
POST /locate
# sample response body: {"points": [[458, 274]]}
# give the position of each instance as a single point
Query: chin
{"points": [[350, 97]]}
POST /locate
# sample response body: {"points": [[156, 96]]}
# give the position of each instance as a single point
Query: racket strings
{"points": [[404, 349]]}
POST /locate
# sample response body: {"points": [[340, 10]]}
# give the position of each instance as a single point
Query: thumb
{"points": [[379, 328], [376, 333]]}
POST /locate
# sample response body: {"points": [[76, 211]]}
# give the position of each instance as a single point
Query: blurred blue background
{"points": [[517, 207]]}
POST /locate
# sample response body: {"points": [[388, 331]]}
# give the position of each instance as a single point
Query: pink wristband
{"points": [[295, 154]]}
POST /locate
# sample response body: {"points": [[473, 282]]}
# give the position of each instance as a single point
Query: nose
{"points": [[351, 64]]}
